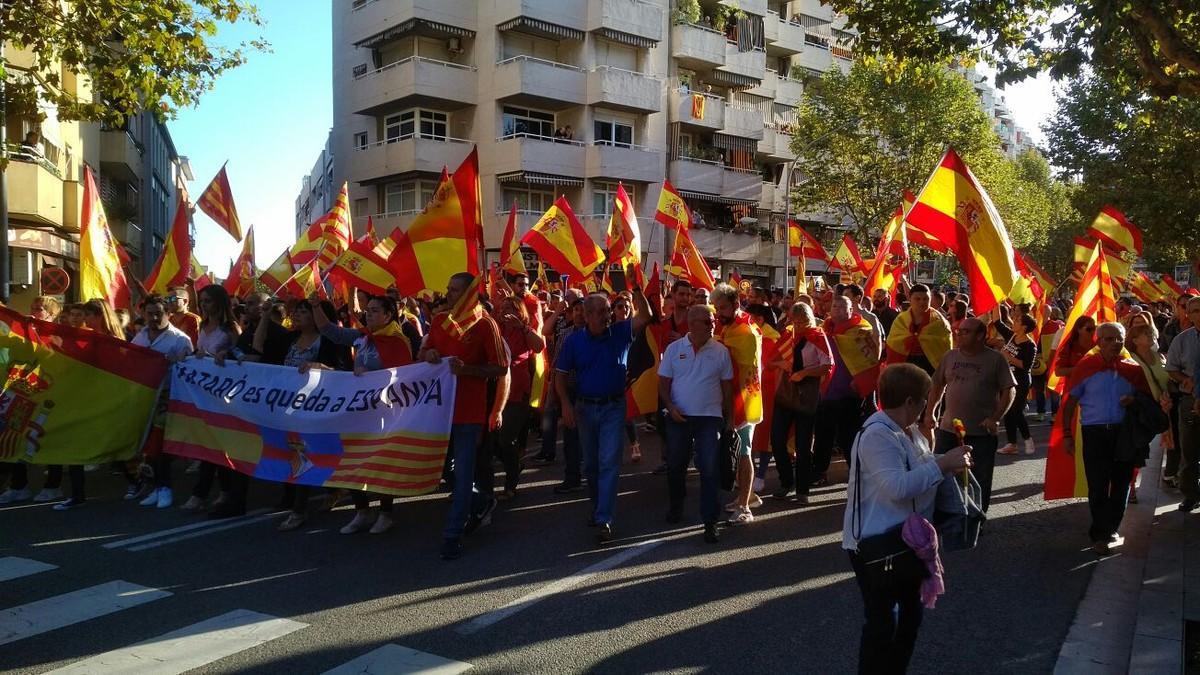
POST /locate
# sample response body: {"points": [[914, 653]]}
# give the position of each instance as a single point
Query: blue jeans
{"points": [[703, 435], [466, 499], [572, 456], [601, 429]]}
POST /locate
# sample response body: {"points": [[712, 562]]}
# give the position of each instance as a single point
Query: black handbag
{"points": [[799, 397], [727, 458]]}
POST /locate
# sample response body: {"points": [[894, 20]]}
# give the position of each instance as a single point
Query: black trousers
{"points": [[1108, 481], [892, 615], [983, 454], [19, 476], [509, 440], [836, 423], [782, 422], [233, 483], [1014, 418]]}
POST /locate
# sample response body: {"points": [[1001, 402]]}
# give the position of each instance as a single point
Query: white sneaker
{"points": [[11, 496], [755, 501], [48, 495], [1030, 448], [163, 497], [382, 524], [759, 484], [1010, 449], [150, 500], [361, 520], [742, 517]]}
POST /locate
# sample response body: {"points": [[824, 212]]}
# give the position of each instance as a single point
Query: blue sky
{"points": [[269, 119]]}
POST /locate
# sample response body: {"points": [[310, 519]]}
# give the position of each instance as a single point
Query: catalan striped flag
{"points": [[328, 237], [559, 238], [510, 246], [174, 262], [672, 211], [100, 272], [217, 203], [1095, 298], [1120, 263], [1144, 289]]}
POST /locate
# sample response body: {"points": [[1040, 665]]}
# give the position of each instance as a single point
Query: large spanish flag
{"points": [[100, 272], [955, 209], [217, 202], [560, 240], [435, 247], [359, 266], [744, 341], [848, 259], [688, 263], [1095, 298], [856, 344], [672, 211], [801, 243], [174, 262], [72, 396]]}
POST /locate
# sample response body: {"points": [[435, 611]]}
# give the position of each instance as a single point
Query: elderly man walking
{"points": [[598, 355], [695, 384], [978, 387]]}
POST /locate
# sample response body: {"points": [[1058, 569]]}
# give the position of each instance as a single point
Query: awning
{"points": [[525, 24], [716, 199], [735, 80], [627, 38], [535, 178], [418, 27], [734, 143]]}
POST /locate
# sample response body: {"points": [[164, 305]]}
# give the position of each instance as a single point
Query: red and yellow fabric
{"points": [[1095, 299], [932, 338], [328, 237], [814, 336], [891, 259], [434, 248], [174, 262], [305, 282], [560, 240], [1116, 232], [1065, 475], [687, 263], [697, 106], [954, 208], [848, 259], [217, 203], [361, 267], [744, 341], [1045, 352], [1042, 283], [510, 247], [371, 235], [470, 199], [1120, 263], [278, 272], [72, 396], [1172, 287], [855, 340], [801, 243], [769, 378], [672, 211], [543, 283], [624, 238], [466, 311], [101, 275], [240, 281], [1144, 289]]}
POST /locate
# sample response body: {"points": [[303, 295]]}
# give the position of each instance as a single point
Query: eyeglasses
{"points": [[172, 298]]}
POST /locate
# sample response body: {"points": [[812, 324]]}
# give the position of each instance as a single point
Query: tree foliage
{"points": [[1137, 152], [138, 54], [1154, 45]]}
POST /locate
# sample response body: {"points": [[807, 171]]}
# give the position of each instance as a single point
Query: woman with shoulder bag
{"points": [[802, 367], [894, 475]]}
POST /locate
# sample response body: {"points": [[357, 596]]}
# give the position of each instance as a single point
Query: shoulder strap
{"points": [[856, 515]]}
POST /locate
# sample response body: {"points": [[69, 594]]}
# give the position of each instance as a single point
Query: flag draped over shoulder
{"points": [[744, 341], [1065, 476], [174, 263], [466, 311], [217, 203], [931, 338], [100, 271], [384, 431], [955, 209], [688, 263], [559, 238], [1095, 299], [855, 342], [72, 396], [672, 211]]}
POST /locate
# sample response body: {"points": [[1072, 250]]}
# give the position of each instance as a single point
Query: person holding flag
{"points": [[920, 336]]}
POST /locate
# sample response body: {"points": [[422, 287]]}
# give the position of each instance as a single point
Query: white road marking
{"points": [[190, 647], [184, 528], [484, 620], [397, 660], [63, 610], [221, 527], [15, 568]]}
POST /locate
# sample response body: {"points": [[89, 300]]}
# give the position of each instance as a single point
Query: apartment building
{"points": [[318, 190], [1014, 139], [570, 98]]}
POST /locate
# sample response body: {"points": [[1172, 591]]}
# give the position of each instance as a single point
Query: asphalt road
{"points": [[533, 593]]}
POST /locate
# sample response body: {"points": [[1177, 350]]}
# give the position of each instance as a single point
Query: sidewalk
{"points": [[1131, 620]]}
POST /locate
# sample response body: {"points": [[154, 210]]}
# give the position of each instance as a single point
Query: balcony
{"points": [[743, 122], [630, 162], [425, 154], [766, 88], [728, 246], [413, 81], [379, 17], [541, 83], [771, 26], [697, 47], [783, 146], [788, 91], [766, 201], [790, 38], [385, 223], [751, 64], [813, 8], [816, 57], [624, 90], [35, 190], [121, 155], [682, 109], [572, 14], [630, 17], [781, 197], [696, 175], [540, 154], [741, 183]]}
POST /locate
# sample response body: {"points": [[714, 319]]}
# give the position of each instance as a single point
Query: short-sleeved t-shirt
{"points": [[598, 361], [972, 384], [696, 376], [480, 345]]}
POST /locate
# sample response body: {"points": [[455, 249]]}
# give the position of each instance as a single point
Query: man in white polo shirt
{"points": [[695, 384]]}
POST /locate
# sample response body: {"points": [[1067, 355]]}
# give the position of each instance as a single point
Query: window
{"points": [[528, 199], [360, 140], [396, 127], [408, 197], [612, 132], [603, 196], [433, 125], [360, 208], [523, 122]]}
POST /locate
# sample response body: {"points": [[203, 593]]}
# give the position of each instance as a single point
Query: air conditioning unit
{"points": [[21, 267]]}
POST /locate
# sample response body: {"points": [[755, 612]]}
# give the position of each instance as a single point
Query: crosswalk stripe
{"points": [[175, 530], [46, 615], [397, 660], [224, 525], [189, 647], [14, 568]]}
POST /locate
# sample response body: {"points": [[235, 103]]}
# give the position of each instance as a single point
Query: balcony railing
{"points": [[534, 59], [23, 153], [416, 135], [540, 137], [359, 74]]}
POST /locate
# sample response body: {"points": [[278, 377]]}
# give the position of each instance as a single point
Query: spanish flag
{"points": [[848, 259], [1116, 232], [241, 272], [1120, 263], [217, 203], [855, 342], [560, 240], [361, 267], [891, 258], [672, 211], [543, 283], [744, 341], [1041, 283], [687, 263], [434, 248], [1095, 298], [278, 272], [641, 393], [916, 235], [1172, 287], [510, 246], [174, 262], [470, 198], [931, 338], [305, 282], [801, 243], [624, 238], [1144, 289], [954, 208], [100, 273], [371, 235]]}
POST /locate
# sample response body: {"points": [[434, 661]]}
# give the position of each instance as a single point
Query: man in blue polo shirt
{"points": [[597, 357]]}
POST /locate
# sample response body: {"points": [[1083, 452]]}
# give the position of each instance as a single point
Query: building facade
{"points": [[317, 189], [570, 98]]}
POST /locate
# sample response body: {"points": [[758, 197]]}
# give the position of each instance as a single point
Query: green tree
{"points": [[1151, 44], [1139, 153], [138, 54]]}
